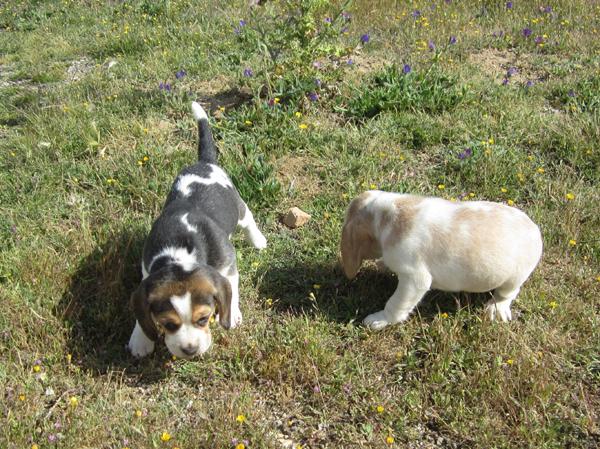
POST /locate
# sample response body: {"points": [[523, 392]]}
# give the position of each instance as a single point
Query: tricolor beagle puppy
{"points": [[431, 243], [188, 263]]}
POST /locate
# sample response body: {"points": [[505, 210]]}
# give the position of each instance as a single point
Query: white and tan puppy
{"points": [[431, 243]]}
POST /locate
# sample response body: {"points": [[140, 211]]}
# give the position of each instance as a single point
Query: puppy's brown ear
{"points": [[223, 297], [141, 309], [357, 244]]}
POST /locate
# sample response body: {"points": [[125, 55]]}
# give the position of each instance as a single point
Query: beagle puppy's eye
{"points": [[170, 326], [202, 321]]}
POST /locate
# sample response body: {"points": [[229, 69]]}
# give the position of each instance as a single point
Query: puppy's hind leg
{"points": [[247, 223], [499, 305], [408, 293]]}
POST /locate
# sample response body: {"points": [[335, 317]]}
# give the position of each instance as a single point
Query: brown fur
{"points": [[358, 242], [202, 287]]}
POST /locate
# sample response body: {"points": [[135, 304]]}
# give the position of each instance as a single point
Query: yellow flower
{"points": [[145, 130], [145, 158], [240, 446], [553, 304], [276, 100], [491, 141], [166, 436], [140, 163], [22, 397], [73, 401], [298, 114], [255, 264], [441, 186], [222, 108], [373, 186], [248, 122], [510, 362], [443, 315], [471, 195], [316, 286], [510, 202], [598, 278], [572, 242], [541, 170], [504, 190], [520, 177], [138, 413], [302, 126], [241, 419], [37, 368], [390, 440], [570, 196], [269, 302], [380, 409], [35, 446]]}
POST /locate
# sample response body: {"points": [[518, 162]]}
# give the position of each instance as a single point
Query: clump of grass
{"points": [[400, 89]]}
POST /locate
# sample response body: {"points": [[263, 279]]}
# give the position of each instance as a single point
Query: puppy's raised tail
{"points": [[207, 151]]}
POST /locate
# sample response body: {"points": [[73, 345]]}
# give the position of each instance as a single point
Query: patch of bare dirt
{"points": [[502, 64], [220, 92], [297, 177]]}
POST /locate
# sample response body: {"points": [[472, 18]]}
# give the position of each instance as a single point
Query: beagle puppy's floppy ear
{"points": [[223, 298], [357, 244], [141, 308]]}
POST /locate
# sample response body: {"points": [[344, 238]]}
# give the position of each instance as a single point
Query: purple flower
{"points": [[313, 96], [248, 72], [539, 40], [51, 438], [465, 154], [431, 46], [57, 425], [416, 14], [317, 64], [344, 30], [13, 229], [452, 40], [317, 82], [511, 71], [180, 74], [165, 87], [547, 9], [509, 5], [317, 389], [346, 15], [347, 387], [349, 62], [571, 93], [505, 81], [365, 38], [529, 83], [328, 20], [242, 23], [526, 32], [406, 69]]}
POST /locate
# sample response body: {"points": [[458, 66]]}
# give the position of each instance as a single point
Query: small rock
{"points": [[295, 218]]}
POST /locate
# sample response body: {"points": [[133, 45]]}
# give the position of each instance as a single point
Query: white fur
{"points": [[199, 112], [217, 176], [139, 344], [437, 251], [251, 230], [234, 281], [187, 224], [187, 336], [180, 256]]}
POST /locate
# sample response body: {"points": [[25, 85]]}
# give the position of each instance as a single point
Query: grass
{"points": [[90, 144]]}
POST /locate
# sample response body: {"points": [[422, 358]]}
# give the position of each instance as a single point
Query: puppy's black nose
{"points": [[189, 350]]}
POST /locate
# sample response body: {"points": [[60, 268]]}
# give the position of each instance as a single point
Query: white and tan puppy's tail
{"points": [[206, 145]]}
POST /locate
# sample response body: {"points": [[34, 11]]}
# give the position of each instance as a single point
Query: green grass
{"points": [[89, 146]]}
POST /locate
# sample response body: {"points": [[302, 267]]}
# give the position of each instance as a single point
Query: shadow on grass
{"points": [[322, 288], [96, 309]]}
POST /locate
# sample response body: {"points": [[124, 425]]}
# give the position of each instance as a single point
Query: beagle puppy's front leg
{"points": [[409, 292]]}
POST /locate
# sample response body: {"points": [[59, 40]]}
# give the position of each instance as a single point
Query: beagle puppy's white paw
{"points": [[377, 320], [139, 345], [431, 243]]}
